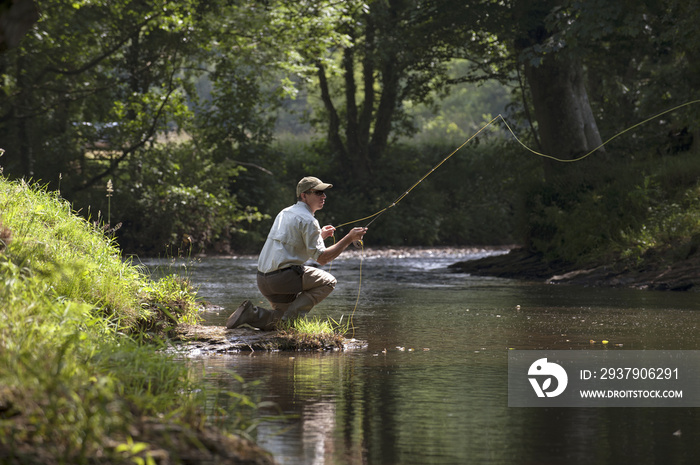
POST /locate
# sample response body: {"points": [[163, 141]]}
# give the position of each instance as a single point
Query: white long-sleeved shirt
{"points": [[294, 238]]}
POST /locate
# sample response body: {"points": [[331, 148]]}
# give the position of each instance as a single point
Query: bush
{"points": [[621, 209], [174, 200]]}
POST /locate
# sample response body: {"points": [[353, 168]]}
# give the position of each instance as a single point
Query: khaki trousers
{"points": [[294, 291]]}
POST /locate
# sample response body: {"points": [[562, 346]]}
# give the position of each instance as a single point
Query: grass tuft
{"points": [[313, 333]]}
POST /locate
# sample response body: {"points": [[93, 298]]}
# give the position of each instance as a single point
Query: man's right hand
{"points": [[357, 233]]}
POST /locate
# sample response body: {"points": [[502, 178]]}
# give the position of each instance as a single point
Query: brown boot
{"points": [[249, 314], [299, 308]]}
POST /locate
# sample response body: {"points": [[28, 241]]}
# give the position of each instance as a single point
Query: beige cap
{"points": [[311, 182]]}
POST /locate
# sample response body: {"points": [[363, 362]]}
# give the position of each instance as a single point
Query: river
{"points": [[431, 385]]}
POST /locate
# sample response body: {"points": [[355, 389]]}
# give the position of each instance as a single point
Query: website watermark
{"points": [[604, 378]]}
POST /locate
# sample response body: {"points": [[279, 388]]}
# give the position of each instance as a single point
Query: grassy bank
{"points": [[80, 379]]}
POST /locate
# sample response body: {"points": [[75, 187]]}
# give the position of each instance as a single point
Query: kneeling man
{"points": [[295, 237]]}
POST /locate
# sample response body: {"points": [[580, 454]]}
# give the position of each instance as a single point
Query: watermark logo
{"points": [[604, 378], [541, 374]]}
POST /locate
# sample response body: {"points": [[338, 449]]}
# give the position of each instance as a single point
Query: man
{"points": [[295, 237]]}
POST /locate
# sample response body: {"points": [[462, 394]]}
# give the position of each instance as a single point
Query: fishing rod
{"points": [[376, 216]]}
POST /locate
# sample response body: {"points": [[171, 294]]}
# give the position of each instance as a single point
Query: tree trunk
{"points": [[334, 139], [566, 124], [355, 137], [386, 109], [352, 151], [368, 65]]}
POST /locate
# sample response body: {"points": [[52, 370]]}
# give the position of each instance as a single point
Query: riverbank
{"points": [[673, 269], [83, 377]]}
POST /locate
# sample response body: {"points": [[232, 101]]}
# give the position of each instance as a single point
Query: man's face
{"points": [[314, 199]]}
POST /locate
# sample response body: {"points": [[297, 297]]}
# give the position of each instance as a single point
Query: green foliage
{"points": [[631, 210], [672, 211], [66, 294], [75, 259], [579, 225], [314, 326], [90, 103], [76, 381], [178, 200], [313, 334], [396, 57], [461, 113], [174, 102], [49, 240], [96, 91], [474, 198], [45, 373]]}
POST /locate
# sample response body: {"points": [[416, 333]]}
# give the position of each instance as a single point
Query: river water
{"points": [[431, 385]]}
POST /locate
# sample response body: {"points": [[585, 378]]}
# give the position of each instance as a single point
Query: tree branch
{"points": [[131, 149], [351, 129], [98, 59], [333, 118]]}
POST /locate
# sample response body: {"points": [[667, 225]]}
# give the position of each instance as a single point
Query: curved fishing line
{"points": [[359, 285], [400, 198], [376, 215], [571, 160]]}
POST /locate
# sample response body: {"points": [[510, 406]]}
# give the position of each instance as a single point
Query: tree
{"points": [[587, 61], [96, 88], [80, 100], [555, 76], [16, 18], [396, 52]]}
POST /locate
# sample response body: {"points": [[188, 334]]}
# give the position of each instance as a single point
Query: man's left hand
{"points": [[327, 231]]}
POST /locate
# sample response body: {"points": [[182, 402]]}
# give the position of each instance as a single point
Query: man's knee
{"points": [[315, 277]]}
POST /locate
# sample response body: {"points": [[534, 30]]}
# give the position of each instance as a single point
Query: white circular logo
{"points": [[541, 374]]}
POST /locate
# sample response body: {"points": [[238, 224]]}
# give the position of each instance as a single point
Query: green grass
{"points": [[314, 325], [49, 241], [313, 333], [75, 373]]}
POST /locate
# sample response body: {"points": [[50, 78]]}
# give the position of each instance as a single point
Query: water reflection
{"points": [[431, 387]]}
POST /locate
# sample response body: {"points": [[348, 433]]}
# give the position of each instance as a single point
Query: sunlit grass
{"points": [[314, 325], [313, 333], [50, 241], [75, 374]]}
